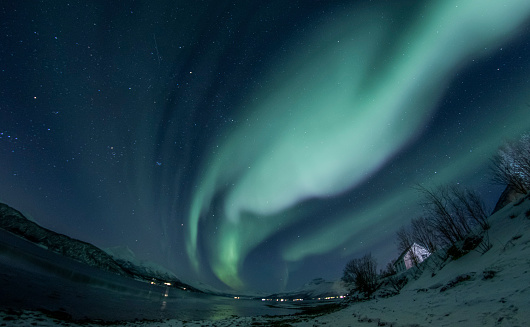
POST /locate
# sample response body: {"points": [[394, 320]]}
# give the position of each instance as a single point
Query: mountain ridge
{"points": [[14, 222]]}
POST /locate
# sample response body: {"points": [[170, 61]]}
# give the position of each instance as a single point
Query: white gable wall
{"points": [[417, 251]]}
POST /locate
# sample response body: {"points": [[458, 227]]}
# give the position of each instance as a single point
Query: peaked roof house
{"points": [[415, 254]]}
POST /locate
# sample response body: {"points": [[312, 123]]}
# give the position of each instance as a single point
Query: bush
{"points": [[471, 242], [397, 282], [488, 274], [455, 252], [457, 280]]}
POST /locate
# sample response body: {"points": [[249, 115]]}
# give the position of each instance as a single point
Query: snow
{"points": [[490, 289], [122, 252], [483, 300], [127, 258]]}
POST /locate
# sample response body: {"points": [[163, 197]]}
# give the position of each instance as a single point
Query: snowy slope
{"points": [[141, 269], [14, 222], [119, 260], [490, 289]]}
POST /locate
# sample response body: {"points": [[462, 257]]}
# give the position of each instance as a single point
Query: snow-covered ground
{"points": [[493, 290], [497, 292]]}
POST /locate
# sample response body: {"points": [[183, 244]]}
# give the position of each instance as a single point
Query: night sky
{"points": [[253, 145]]}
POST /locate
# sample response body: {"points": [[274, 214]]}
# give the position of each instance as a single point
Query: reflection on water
{"points": [[223, 311], [32, 278]]}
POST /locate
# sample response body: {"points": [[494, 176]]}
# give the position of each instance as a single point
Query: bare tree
{"points": [[424, 234], [472, 204], [503, 174], [442, 220], [362, 272], [404, 239], [451, 212], [390, 269], [511, 165]]}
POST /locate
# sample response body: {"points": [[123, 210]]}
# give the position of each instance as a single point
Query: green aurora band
{"points": [[329, 119]]}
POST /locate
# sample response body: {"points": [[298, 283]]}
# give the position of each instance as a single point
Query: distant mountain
{"points": [[14, 222], [317, 288], [145, 270], [126, 258]]}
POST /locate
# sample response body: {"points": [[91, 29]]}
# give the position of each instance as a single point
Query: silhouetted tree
{"points": [[451, 212], [472, 205], [403, 239], [438, 213], [423, 233], [511, 165], [362, 273], [389, 270]]}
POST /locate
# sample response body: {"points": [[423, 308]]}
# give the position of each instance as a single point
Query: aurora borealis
{"points": [[254, 146]]}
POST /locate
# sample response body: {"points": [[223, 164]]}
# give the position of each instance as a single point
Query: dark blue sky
{"points": [[253, 145]]}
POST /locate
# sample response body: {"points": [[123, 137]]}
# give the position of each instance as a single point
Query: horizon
{"points": [[254, 147]]}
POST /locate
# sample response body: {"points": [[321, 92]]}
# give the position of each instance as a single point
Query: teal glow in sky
{"points": [[330, 119], [253, 145]]}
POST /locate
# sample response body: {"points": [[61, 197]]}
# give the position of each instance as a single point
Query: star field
{"points": [[253, 145]]}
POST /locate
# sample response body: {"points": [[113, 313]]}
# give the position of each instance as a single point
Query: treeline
{"points": [[451, 215], [454, 218]]}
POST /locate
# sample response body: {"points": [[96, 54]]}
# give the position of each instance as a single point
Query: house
{"points": [[415, 254]]}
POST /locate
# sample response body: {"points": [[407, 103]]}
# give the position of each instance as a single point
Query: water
{"points": [[32, 278]]}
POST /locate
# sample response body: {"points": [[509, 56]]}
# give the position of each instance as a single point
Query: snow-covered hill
{"points": [[143, 269], [119, 260], [477, 289], [126, 258], [14, 222]]}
